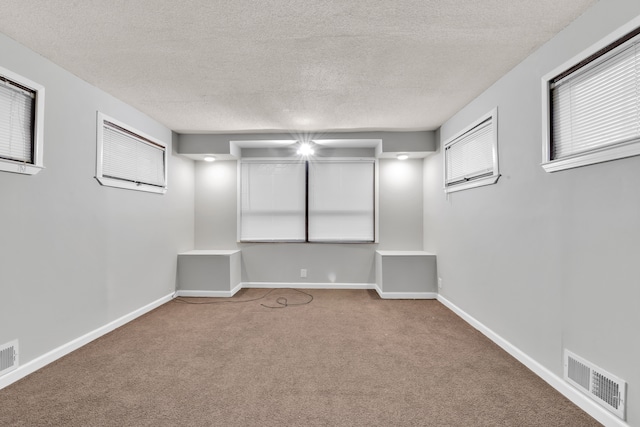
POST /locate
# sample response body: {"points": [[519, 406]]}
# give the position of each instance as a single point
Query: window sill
{"points": [[18, 167], [271, 241], [128, 185], [350, 242], [488, 180], [619, 151]]}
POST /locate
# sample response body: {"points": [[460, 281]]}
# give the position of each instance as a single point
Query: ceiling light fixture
{"points": [[209, 159], [305, 149], [402, 156]]}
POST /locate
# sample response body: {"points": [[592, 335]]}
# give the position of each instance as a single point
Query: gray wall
{"points": [[400, 228], [401, 197], [75, 255], [419, 141], [547, 261]]}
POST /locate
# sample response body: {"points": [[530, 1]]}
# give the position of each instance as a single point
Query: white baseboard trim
{"points": [[406, 295], [209, 294], [55, 354], [285, 285], [583, 402]]}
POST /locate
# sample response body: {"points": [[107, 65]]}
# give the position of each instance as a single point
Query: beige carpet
{"points": [[347, 358]]}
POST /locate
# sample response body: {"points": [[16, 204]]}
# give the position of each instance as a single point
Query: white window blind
{"points": [[130, 157], [272, 206], [341, 201], [16, 122], [471, 155], [598, 105]]}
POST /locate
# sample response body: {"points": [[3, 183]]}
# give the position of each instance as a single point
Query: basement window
{"points": [[593, 106], [471, 156], [341, 201], [272, 201], [21, 124], [323, 200], [129, 159]]}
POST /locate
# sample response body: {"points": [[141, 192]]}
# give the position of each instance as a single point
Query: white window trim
{"points": [[376, 176], [604, 154], [118, 183], [479, 182], [38, 136]]}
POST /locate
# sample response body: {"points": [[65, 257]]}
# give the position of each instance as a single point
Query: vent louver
{"points": [[600, 385], [8, 357]]}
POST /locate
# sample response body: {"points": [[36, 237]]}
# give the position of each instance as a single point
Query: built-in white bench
{"points": [[217, 273], [406, 275], [209, 273]]}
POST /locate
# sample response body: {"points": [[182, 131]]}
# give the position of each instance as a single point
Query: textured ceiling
{"points": [[289, 65]]}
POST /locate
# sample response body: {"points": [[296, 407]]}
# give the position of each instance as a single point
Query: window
{"points": [[593, 107], [341, 201], [21, 124], [307, 201], [129, 159], [471, 156], [272, 201]]}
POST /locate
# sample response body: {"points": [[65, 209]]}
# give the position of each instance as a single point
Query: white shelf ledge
{"points": [[405, 253], [210, 252]]}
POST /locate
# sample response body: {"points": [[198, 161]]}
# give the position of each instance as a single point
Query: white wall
{"points": [[547, 261], [74, 255]]}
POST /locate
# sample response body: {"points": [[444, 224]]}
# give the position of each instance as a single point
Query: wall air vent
{"points": [[8, 357], [603, 387]]}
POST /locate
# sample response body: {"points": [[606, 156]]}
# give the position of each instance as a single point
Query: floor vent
{"points": [[8, 357], [601, 386]]}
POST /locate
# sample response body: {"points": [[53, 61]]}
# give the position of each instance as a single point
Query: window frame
{"points": [[122, 183], [595, 54], [37, 143], [375, 183], [484, 180]]}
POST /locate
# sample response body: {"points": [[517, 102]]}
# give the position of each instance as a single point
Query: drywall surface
{"points": [[400, 228], [75, 255], [421, 141], [400, 209], [216, 185], [546, 260]]}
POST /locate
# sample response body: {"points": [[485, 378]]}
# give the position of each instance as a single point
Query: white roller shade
{"points": [[16, 122], [598, 105], [471, 156], [341, 201], [131, 158], [272, 201]]}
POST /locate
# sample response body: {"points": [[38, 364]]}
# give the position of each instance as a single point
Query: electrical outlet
{"points": [[439, 282], [303, 272]]}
